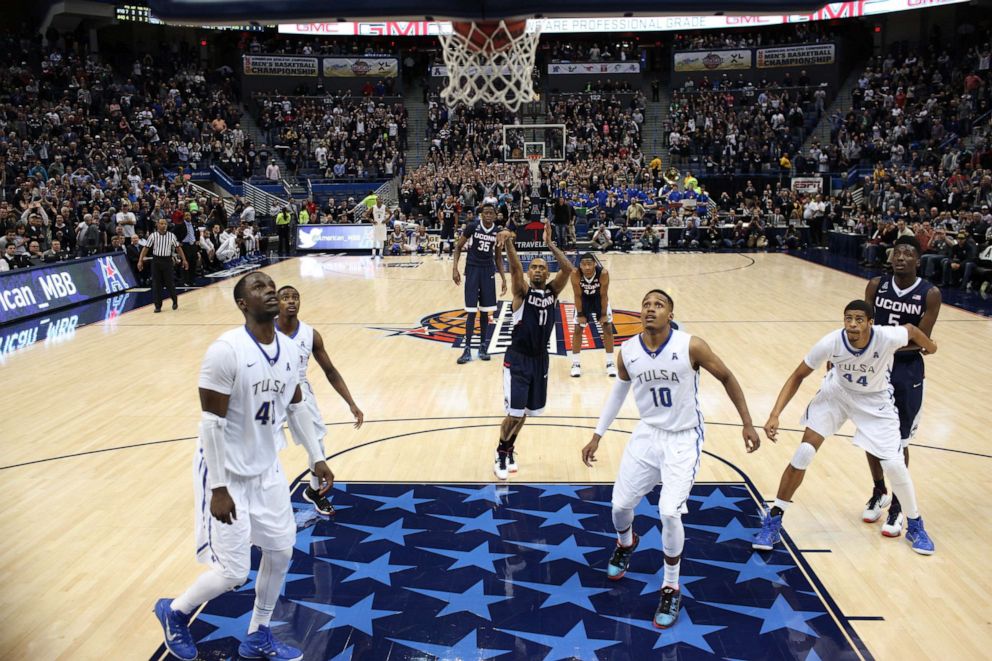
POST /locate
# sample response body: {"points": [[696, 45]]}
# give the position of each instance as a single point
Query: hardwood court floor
{"points": [[99, 430]]}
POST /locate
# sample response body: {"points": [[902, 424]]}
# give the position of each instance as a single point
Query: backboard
{"points": [[521, 141]]}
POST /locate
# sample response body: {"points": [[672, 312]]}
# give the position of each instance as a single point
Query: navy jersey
{"points": [[533, 322], [481, 246], [591, 287], [448, 217], [894, 307]]}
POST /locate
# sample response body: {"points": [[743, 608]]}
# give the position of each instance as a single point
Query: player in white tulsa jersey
{"points": [[249, 385], [857, 388], [662, 364], [309, 342]]}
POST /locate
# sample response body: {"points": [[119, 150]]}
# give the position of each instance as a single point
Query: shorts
{"points": [[591, 307], [265, 519], [656, 455], [873, 414], [447, 233], [908, 388], [480, 289], [525, 384]]}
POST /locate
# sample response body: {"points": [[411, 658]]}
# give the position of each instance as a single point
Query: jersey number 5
{"points": [[661, 396], [266, 413]]}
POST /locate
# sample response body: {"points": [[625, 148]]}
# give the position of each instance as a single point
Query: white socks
{"points": [[609, 357], [314, 482], [672, 575], [576, 361], [208, 585], [268, 585], [782, 504]]}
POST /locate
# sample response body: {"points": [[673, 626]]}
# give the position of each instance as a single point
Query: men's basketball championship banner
{"points": [[796, 56], [41, 289], [274, 65], [363, 67], [714, 60]]}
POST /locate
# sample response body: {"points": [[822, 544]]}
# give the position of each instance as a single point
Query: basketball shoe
{"points": [[668, 607], [873, 509], [620, 559], [465, 357], [263, 645], [770, 533], [175, 627], [611, 368], [511, 460], [917, 536], [500, 466], [483, 354], [893, 523], [319, 501], [576, 369]]}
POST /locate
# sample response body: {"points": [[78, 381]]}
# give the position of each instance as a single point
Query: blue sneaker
{"points": [[263, 645], [668, 608], [770, 533], [918, 537], [617, 567], [175, 627]]}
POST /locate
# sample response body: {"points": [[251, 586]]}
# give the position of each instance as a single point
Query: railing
{"points": [[263, 202], [226, 201], [387, 192]]}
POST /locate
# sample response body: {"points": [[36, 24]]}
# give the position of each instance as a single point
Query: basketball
{"points": [[490, 36]]}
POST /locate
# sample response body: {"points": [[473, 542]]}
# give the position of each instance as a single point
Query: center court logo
{"points": [[448, 327]]}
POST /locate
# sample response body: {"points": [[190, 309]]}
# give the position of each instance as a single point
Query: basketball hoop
{"points": [[489, 61], [534, 163]]}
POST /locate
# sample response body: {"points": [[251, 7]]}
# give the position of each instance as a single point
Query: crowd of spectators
{"points": [[792, 33], [339, 136], [910, 105]]}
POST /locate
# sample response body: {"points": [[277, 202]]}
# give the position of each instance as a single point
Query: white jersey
{"points": [[666, 387], [303, 338], [865, 370], [261, 382]]}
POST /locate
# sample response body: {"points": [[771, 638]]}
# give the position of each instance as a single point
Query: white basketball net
{"points": [[534, 163], [478, 71]]}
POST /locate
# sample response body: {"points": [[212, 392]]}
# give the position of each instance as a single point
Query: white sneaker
{"points": [[511, 461], [611, 369], [576, 369], [893, 525], [874, 507], [500, 467]]}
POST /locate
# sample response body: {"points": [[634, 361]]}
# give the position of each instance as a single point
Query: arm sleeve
{"points": [[612, 406], [820, 352], [219, 368]]}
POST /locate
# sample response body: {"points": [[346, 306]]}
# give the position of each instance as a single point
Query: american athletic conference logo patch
{"points": [[448, 327]]}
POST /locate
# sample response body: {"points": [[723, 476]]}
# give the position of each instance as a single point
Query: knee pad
{"points": [[233, 577], [623, 517], [895, 469], [672, 535], [803, 456]]}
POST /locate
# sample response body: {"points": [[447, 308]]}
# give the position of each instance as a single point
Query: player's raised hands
{"points": [[589, 451], [751, 439], [503, 237], [548, 240], [771, 428]]}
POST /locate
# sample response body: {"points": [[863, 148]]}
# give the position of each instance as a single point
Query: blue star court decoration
{"points": [[470, 571]]}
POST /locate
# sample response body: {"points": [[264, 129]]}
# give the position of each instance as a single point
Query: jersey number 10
{"points": [[661, 397]]}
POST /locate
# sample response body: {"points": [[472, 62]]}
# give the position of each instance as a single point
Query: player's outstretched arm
{"points": [[505, 241], [702, 355], [334, 378], [301, 424], [788, 391], [920, 339], [610, 411], [565, 267]]}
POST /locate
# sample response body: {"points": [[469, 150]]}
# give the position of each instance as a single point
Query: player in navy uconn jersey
{"points": [[591, 287], [662, 365], [449, 217], [483, 261], [310, 343], [902, 298], [855, 388], [525, 367], [249, 386]]}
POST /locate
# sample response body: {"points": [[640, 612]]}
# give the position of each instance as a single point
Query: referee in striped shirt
{"points": [[163, 244]]}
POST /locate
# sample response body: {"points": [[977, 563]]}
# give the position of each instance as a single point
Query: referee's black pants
{"points": [[283, 232], [163, 273]]}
